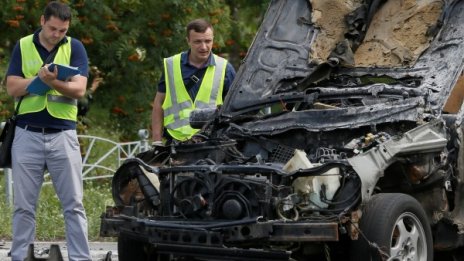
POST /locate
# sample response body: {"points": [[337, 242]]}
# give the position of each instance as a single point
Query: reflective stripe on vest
{"points": [[178, 104], [57, 105]]}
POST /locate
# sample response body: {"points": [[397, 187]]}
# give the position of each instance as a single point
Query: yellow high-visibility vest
{"points": [[57, 105], [178, 105]]}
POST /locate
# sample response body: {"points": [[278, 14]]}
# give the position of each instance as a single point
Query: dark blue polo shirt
{"points": [[188, 70], [78, 59]]}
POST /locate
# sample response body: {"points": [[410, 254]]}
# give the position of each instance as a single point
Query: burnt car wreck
{"points": [[339, 139]]}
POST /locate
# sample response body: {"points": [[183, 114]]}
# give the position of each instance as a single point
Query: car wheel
{"points": [[394, 227], [130, 250]]}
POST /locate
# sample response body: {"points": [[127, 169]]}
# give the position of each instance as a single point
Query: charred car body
{"points": [[341, 136]]}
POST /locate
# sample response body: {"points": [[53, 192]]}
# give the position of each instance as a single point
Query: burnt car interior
{"points": [[342, 115]]}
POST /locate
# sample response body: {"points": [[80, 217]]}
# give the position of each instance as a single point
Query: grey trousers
{"points": [[32, 153]]}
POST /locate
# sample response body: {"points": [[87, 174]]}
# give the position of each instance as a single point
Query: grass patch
{"points": [[49, 217], [6, 213]]}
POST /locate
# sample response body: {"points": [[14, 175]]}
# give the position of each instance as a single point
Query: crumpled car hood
{"points": [[307, 51]]}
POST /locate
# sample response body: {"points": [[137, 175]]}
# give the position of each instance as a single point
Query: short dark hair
{"points": [[58, 10], [199, 26]]}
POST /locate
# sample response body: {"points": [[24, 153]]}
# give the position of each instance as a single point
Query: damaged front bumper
{"points": [[247, 239]]}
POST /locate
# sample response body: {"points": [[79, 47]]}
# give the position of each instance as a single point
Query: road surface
{"points": [[98, 250]]}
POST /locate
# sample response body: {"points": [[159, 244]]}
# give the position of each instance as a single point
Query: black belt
{"points": [[39, 129]]}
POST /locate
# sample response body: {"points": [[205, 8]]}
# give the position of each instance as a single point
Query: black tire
{"points": [[131, 250], [398, 226]]}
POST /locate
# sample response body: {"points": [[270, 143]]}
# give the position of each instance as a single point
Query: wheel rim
{"points": [[408, 240]]}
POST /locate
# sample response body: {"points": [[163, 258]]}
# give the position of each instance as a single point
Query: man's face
{"points": [[53, 30], [200, 45]]}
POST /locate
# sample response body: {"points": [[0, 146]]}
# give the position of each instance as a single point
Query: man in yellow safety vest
{"points": [[196, 78], [45, 134]]}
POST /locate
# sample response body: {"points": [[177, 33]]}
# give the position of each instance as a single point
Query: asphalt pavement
{"points": [[98, 250]]}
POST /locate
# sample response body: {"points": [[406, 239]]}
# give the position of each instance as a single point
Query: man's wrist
{"points": [[157, 143]]}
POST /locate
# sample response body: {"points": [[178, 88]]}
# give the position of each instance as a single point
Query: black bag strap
{"points": [[196, 77], [17, 106]]}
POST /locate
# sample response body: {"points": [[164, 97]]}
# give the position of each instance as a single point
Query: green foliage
{"points": [[6, 213], [6, 103]]}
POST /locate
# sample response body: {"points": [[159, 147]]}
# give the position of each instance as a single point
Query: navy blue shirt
{"points": [[78, 59], [188, 70]]}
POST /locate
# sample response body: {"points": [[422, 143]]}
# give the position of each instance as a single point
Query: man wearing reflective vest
{"points": [[45, 135], [193, 79]]}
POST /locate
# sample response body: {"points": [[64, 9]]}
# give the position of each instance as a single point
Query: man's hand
{"points": [[48, 76]]}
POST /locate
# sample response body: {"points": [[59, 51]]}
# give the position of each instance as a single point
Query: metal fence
{"points": [[101, 158]]}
